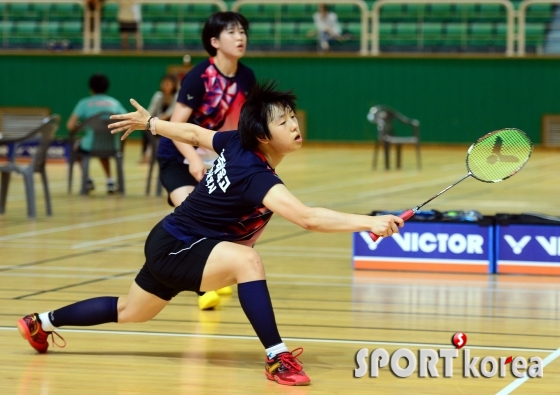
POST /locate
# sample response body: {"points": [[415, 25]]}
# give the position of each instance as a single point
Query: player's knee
{"points": [[253, 266], [128, 316]]}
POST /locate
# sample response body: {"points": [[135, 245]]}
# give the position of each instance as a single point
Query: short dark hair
{"points": [[258, 110], [219, 22], [99, 83]]}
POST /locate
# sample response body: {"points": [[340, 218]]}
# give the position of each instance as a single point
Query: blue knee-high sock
{"points": [[87, 312], [256, 303]]}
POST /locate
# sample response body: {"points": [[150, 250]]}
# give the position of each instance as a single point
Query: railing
{"points": [[358, 3], [92, 37], [92, 42], [509, 17], [79, 2], [521, 22]]}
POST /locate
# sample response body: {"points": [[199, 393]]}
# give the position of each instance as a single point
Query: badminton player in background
{"points": [[206, 243], [211, 96]]}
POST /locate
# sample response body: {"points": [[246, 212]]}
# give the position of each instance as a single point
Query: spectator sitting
{"points": [[327, 27], [97, 103]]}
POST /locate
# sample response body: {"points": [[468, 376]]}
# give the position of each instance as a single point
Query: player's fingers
{"points": [[399, 221], [121, 128], [141, 110], [117, 126], [388, 230], [121, 116], [136, 105], [114, 131], [125, 135]]}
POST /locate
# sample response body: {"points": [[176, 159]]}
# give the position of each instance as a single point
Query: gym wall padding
{"points": [[456, 99]]}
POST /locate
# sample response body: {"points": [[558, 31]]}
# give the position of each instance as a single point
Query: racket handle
{"points": [[407, 214], [404, 215]]}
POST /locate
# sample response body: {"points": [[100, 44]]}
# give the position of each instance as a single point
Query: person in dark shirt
{"points": [[206, 243], [211, 96]]}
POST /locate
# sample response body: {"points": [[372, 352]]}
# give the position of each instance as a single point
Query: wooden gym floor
{"points": [[93, 246]]}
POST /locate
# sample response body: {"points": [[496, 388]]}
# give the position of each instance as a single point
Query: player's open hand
{"points": [[130, 122], [386, 225]]}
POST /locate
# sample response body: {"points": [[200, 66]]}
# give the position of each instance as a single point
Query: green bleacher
{"points": [[456, 27], [403, 27]]}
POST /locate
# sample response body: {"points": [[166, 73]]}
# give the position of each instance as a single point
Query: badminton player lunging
{"points": [[206, 243]]}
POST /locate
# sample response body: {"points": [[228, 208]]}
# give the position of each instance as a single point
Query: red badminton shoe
{"points": [[30, 329], [286, 369]]}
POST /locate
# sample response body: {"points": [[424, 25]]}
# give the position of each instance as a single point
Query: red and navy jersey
{"points": [[227, 203], [216, 100]]}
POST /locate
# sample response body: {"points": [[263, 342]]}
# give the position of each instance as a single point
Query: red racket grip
{"points": [[404, 215]]}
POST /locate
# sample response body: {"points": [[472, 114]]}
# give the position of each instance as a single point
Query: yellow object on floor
{"points": [[224, 291], [209, 300]]}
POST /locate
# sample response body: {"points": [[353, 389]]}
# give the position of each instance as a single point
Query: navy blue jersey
{"points": [[216, 100], [227, 203]]}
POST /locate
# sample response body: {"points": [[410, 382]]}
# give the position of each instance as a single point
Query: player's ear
{"points": [[215, 42], [263, 140]]}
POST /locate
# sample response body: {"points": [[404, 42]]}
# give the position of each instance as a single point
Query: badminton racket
{"points": [[492, 158]]}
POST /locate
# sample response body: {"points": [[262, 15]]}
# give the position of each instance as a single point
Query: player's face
{"points": [[284, 129], [232, 41]]}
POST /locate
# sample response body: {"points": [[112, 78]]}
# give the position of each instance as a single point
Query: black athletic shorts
{"points": [[173, 266], [128, 27], [173, 175]]}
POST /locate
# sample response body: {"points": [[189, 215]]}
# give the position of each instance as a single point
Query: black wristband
{"points": [[148, 124]]}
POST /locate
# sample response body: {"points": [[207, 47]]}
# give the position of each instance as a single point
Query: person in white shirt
{"points": [[130, 17], [328, 28]]}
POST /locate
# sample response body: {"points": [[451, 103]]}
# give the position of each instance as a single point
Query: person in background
{"points": [[130, 17], [327, 26], [211, 96], [87, 107], [161, 106], [94, 5]]}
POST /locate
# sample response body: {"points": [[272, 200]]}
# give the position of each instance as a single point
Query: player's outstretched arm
{"points": [[183, 132], [282, 202]]}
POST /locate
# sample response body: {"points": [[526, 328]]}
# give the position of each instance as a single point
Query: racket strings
{"points": [[499, 155]]}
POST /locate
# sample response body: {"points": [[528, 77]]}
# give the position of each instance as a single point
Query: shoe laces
{"points": [[53, 340], [43, 336], [290, 361]]}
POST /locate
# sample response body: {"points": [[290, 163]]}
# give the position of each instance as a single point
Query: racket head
{"points": [[499, 155]]}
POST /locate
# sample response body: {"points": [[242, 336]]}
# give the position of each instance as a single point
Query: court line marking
{"points": [[131, 181], [161, 213], [394, 282], [299, 339], [368, 194], [368, 180], [95, 280], [518, 382], [301, 283], [84, 225], [111, 240]]}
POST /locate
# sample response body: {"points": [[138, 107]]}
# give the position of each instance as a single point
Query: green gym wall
{"points": [[456, 99]]}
